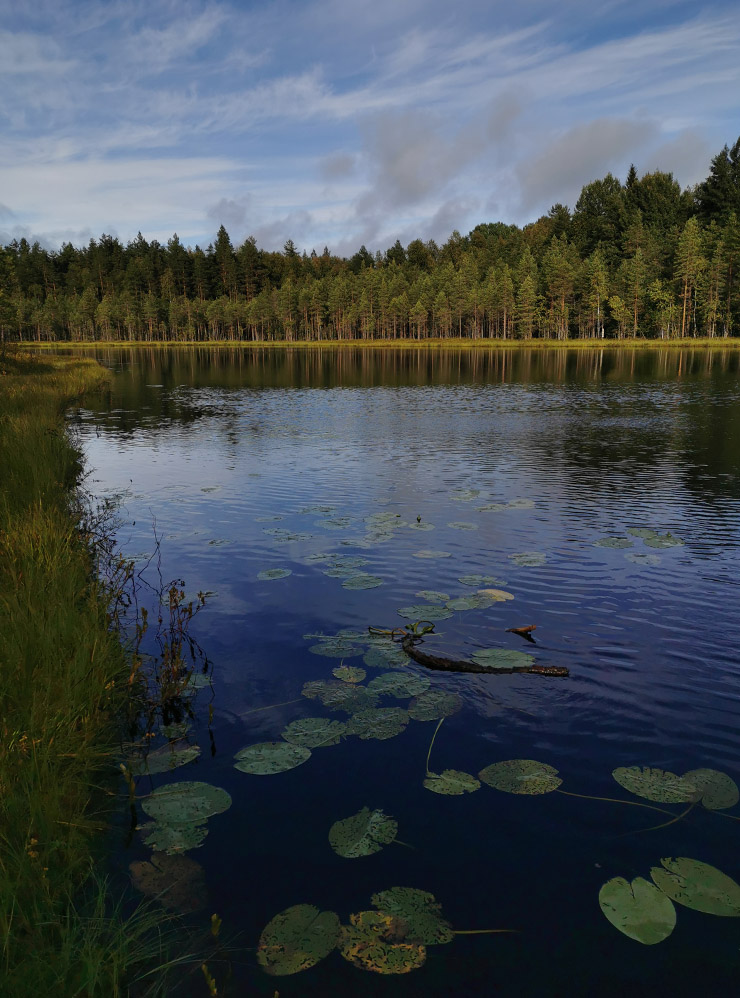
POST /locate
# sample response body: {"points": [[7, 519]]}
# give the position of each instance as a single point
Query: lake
{"points": [[599, 489]]}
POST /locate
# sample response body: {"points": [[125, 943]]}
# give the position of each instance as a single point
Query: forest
{"points": [[642, 258]]}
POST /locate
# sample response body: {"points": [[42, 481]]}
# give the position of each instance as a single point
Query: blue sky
{"points": [[341, 122]]}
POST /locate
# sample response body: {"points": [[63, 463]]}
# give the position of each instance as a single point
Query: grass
{"points": [[702, 342], [63, 681]]}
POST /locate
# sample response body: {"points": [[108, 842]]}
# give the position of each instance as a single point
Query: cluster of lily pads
{"points": [[650, 538], [390, 938]]}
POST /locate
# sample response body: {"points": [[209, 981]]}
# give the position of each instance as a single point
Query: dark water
{"points": [[206, 443]]}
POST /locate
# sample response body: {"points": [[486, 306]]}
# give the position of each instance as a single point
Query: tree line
{"points": [[639, 258]]}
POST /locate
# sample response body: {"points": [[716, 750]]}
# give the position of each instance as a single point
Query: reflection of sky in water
{"points": [[652, 648]]}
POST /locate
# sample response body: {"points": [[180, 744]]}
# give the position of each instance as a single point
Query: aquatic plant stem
{"points": [[616, 800], [429, 753], [256, 710], [665, 823]]}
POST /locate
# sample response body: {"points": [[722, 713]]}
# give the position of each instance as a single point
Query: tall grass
{"points": [[63, 676]]}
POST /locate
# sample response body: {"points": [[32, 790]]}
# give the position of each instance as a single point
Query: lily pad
{"points": [[528, 559], [497, 595], [718, 790], [362, 834], [668, 540], [274, 573], [267, 758], [451, 782], [177, 882], [374, 941], [421, 912], [421, 526], [655, 784], [463, 525], [181, 803], [480, 580], [164, 759], [378, 722], [432, 596], [337, 695], [434, 705], [397, 684], [521, 776], [479, 601], [335, 648], [173, 839], [613, 542], [503, 658], [387, 655], [644, 559], [465, 495], [335, 523], [426, 553], [296, 939], [638, 909], [314, 732], [520, 504], [362, 581], [424, 611], [642, 532], [699, 886], [349, 673]]}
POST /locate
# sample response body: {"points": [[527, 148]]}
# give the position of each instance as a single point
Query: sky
{"points": [[346, 122]]}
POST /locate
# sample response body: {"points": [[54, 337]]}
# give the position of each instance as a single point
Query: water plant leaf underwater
{"points": [[314, 732], [613, 542], [528, 559], [163, 759], [268, 758], [362, 834], [643, 559], [174, 839], [521, 776], [656, 785], [274, 573], [396, 684], [375, 941], [420, 910], [718, 790], [451, 783], [698, 885], [378, 722], [638, 909], [388, 655], [177, 882], [185, 802], [336, 647], [296, 939], [434, 705], [424, 611], [349, 673], [175, 731], [503, 658]]}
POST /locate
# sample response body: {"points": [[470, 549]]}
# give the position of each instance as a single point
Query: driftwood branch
{"points": [[409, 642]]}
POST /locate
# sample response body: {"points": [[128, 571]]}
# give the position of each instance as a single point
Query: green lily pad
{"points": [[521, 776], [335, 648], [314, 732], [668, 540], [451, 782], [478, 601], [655, 784], [421, 526], [463, 525], [426, 553], [296, 939], [497, 595], [465, 495], [282, 536], [177, 882], [337, 695], [644, 559], [434, 705], [349, 673], [638, 909], [503, 658], [421, 912], [378, 722], [373, 941], [173, 839], [274, 573], [613, 542], [362, 834], [528, 559], [477, 581], [185, 802], [397, 684], [643, 532], [164, 759], [424, 611], [432, 596], [335, 523], [362, 581], [699, 886], [267, 758], [386, 656], [718, 790], [520, 504]]}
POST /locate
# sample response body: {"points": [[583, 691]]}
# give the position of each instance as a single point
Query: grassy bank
{"points": [[62, 681], [687, 343]]}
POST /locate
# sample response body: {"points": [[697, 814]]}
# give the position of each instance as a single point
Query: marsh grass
{"points": [[63, 690]]}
